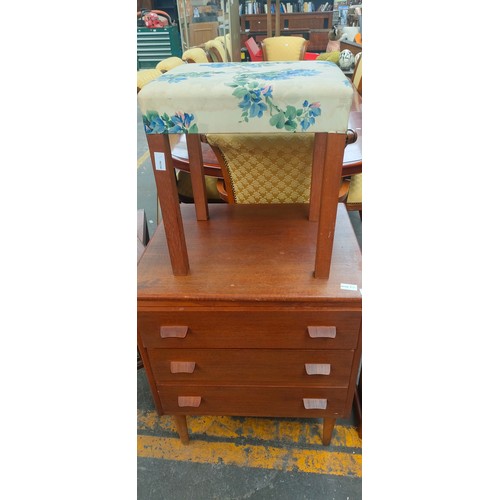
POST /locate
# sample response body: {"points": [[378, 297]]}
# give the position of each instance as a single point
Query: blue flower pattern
{"points": [[255, 99], [179, 123]]}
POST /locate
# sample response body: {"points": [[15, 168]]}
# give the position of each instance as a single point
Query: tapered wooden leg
{"points": [[332, 173], [328, 425], [197, 177], [319, 152], [181, 427], [164, 172]]}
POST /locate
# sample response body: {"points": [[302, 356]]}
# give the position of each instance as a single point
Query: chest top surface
{"points": [[253, 253], [262, 97]]}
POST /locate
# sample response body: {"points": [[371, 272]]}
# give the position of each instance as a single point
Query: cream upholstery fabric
{"points": [[261, 97], [145, 76], [216, 45], [197, 55], [267, 168], [169, 63], [283, 48]]}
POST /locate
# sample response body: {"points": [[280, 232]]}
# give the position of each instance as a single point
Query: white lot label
{"points": [[160, 163], [347, 286]]}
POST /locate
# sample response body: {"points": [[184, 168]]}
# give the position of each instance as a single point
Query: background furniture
{"points": [[352, 46], [354, 197], [195, 55], [156, 44], [284, 48], [313, 26], [169, 63], [202, 32], [216, 50]]}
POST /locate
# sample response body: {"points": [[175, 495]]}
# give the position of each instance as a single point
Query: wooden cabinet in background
{"points": [[313, 26], [202, 32]]}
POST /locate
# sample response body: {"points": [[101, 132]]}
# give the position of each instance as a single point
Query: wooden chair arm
{"points": [[221, 189]]}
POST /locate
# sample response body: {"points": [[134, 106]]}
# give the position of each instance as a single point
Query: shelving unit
{"points": [[310, 20], [313, 26]]}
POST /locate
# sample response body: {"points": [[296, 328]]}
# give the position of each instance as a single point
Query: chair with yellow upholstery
{"points": [[144, 76], [226, 41], [216, 51], [261, 168], [169, 63], [353, 201], [357, 75], [195, 55], [354, 198], [284, 48]]}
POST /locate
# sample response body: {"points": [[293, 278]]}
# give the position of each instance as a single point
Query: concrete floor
{"points": [[232, 457]]}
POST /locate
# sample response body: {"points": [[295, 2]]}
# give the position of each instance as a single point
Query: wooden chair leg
{"points": [[181, 427], [328, 425]]}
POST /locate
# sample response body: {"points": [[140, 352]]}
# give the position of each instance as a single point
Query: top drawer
{"points": [[248, 329]]}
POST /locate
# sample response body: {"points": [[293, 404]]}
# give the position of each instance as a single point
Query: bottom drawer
{"points": [[253, 401]]}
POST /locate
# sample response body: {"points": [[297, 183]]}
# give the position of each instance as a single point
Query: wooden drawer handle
{"points": [[318, 369], [193, 401], [182, 366], [315, 332], [173, 331], [314, 404]]}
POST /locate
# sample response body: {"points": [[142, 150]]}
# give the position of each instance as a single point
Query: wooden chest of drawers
{"points": [[250, 331]]}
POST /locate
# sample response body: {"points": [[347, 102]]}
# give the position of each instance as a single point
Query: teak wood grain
{"points": [[166, 187], [278, 328], [252, 400], [251, 366], [251, 333], [255, 253]]}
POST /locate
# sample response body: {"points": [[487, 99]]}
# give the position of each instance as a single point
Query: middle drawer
{"points": [[262, 366]]}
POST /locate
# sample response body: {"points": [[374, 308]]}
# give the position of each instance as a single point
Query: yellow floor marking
{"points": [[265, 429], [262, 457], [142, 159]]}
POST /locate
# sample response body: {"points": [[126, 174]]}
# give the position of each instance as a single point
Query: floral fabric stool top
{"points": [[261, 97]]}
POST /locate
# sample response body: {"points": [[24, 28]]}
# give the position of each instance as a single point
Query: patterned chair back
{"points": [[261, 168]]}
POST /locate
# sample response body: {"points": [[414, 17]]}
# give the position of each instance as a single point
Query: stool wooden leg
{"points": [[181, 427], [332, 174], [164, 172], [197, 177], [319, 152], [328, 425]]}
